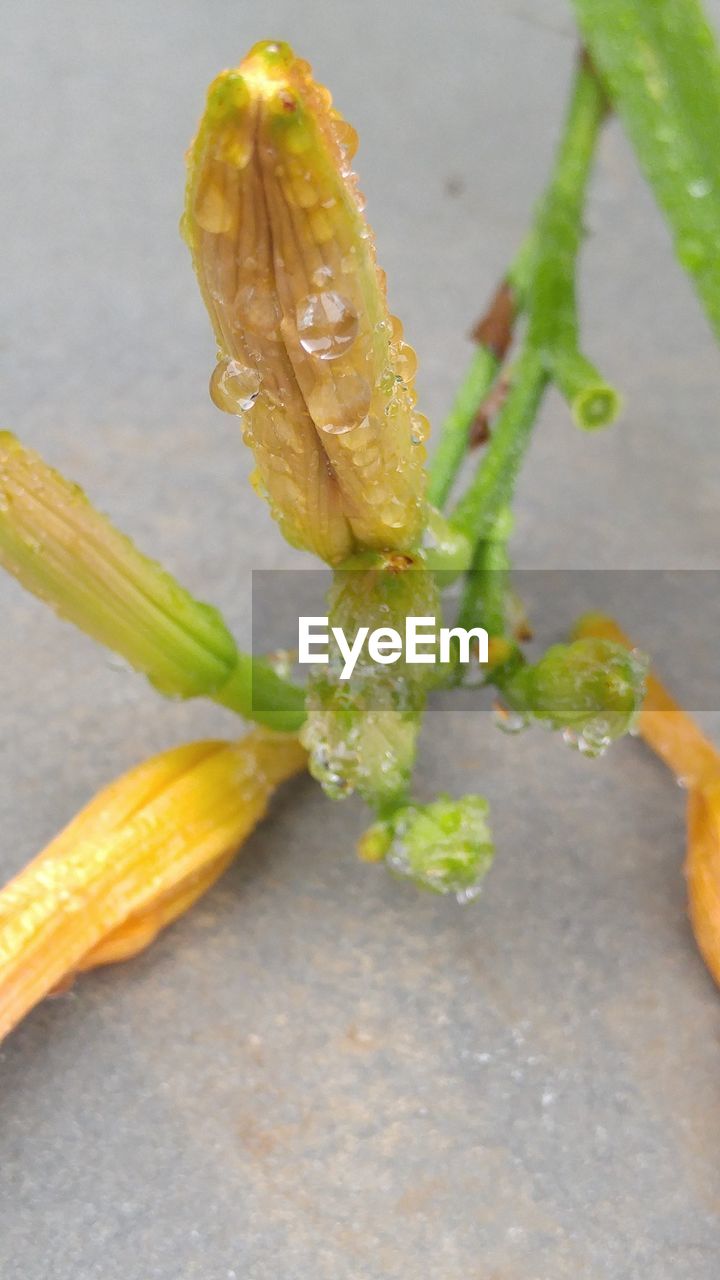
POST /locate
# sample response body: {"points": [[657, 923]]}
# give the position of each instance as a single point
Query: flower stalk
{"points": [[550, 347]]}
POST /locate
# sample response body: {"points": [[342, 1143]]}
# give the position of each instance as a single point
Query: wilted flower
{"points": [[136, 857], [308, 354]]}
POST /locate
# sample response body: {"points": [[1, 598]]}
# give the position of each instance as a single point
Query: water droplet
{"points": [[419, 428], [699, 187], [340, 405], [327, 324], [591, 742], [258, 310], [508, 721], [346, 136], [233, 386], [213, 211], [405, 361], [321, 277]]}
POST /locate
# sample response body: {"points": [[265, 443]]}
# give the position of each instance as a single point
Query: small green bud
{"points": [[592, 689], [445, 846]]}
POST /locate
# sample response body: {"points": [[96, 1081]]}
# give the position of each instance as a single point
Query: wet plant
{"points": [[321, 379]]}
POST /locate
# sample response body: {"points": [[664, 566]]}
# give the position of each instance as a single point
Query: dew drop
{"points": [[321, 276], [405, 361], [327, 324], [258, 311], [213, 211], [508, 721], [346, 136], [233, 386], [699, 188], [340, 405], [419, 428]]}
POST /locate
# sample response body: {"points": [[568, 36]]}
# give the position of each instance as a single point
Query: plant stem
{"points": [[492, 486], [256, 692], [455, 430], [493, 334], [553, 323], [551, 340], [486, 588], [660, 63]]}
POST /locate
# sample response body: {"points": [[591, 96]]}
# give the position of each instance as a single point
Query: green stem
{"points": [[593, 402], [492, 486], [551, 340], [256, 692], [486, 588], [553, 326], [455, 431], [480, 377], [660, 64]]}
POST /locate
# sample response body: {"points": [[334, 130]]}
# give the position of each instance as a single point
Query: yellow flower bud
{"points": [[308, 354], [136, 857]]}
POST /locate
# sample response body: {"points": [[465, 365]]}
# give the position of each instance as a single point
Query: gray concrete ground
{"points": [[319, 1072]]}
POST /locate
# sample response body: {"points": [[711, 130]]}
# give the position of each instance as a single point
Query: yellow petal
{"points": [[136, 856]]}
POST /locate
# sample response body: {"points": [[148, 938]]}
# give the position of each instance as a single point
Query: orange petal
{"points": [[702, 869], [674, 736], [132, 860]]}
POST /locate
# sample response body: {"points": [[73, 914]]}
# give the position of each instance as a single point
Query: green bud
{"points": [[445, 846], [63, 550], [592, 689], [361, 732], [59, 547]]}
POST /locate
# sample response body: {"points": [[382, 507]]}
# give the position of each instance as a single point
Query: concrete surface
{"points": [[320, 1073]]}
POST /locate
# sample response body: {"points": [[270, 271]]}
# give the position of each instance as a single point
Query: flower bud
{"points": [[592, 689], [445, 846], [59, 547], [308, 354], [361, 732], [136, 857]]}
